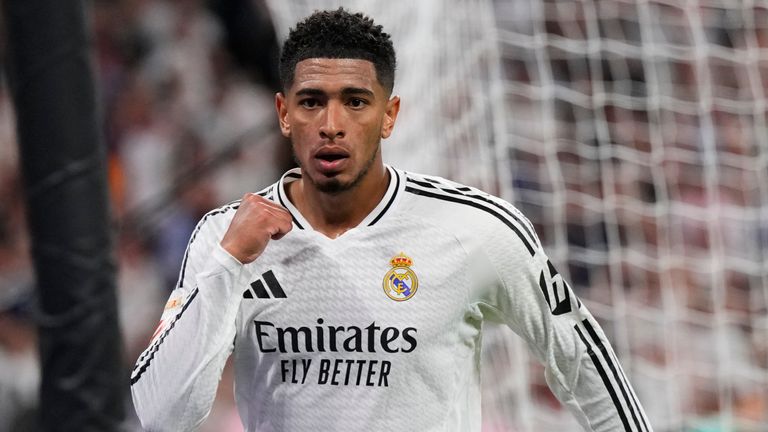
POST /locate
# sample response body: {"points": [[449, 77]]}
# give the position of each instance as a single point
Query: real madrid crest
{"points": [[400, 283]]}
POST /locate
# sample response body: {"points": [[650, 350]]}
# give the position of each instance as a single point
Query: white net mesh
{"points": [[633, 134]]}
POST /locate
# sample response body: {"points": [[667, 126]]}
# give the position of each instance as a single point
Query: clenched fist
{"points": [[256, 222]]}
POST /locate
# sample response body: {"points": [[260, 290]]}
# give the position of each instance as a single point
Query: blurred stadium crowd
{"points": [[180, 98], [652, 185]]}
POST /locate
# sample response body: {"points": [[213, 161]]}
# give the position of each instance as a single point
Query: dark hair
{"points": [[340, 35]]}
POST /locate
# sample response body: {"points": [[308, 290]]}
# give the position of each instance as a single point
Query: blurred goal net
{"points": [[634, 134]]}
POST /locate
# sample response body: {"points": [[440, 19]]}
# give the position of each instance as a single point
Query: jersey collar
{"points": [[386, 205]]}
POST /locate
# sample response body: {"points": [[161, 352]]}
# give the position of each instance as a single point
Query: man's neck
{"points": [[335, 214]]}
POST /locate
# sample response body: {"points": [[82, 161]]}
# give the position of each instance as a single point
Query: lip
{"points": [[330, 160]]}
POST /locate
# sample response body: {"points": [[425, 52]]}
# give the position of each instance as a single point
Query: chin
{"points": [[333, 186]]}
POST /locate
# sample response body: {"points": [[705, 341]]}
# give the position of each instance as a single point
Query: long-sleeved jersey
{"points": [[378, 329]]}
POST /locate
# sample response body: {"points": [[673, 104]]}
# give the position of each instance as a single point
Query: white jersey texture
{"points": [[379, 329]]}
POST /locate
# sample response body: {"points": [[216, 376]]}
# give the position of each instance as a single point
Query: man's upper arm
{"points": [[532, 297]]}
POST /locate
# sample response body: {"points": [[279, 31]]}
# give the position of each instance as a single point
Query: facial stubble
{"points": [[334, 186]]}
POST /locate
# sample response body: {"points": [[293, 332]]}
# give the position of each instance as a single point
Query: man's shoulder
{"points": [[439, 194], [467, 209]]}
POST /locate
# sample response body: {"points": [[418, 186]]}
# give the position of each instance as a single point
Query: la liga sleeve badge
{"points": [[400, 283]]}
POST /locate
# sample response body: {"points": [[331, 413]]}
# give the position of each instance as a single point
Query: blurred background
{"points": [[632, 133]]}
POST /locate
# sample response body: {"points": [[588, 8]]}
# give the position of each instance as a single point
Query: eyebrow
{"points": [[346, 91]]}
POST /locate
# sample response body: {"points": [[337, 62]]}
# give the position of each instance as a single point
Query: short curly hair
{"points": [[339, 34]]}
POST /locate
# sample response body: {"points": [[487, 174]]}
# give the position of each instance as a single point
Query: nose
{"points": [[332, 126]]}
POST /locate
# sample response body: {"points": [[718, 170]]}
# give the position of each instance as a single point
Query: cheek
{"points": [[300, 148], [375, 131], [301, 133], [300, 143]]}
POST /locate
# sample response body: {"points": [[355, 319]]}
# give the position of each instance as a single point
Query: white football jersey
{"points": [[378, 329]]}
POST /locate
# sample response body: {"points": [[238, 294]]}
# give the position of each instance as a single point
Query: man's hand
{"points": [[256, 222]]}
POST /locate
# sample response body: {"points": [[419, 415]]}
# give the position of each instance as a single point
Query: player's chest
{"points": [[383, 278]]}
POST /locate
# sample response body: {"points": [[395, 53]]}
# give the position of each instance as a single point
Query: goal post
{"points": [[633, 134]]}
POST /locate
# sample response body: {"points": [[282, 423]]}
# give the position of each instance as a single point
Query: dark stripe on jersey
{"points": [[465, 201], [545, 289], [269, 193], [293, 175], [156, 346], [221, 210], [438, 182], [609, 360], [273, 284], [282, 203], [258, 288], [635, 401], [391, 199], [460, 191], [604, 377]]}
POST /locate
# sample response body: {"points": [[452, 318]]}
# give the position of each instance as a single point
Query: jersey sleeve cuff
{"points": [[223, 263], [226, 274], [224, 259]]}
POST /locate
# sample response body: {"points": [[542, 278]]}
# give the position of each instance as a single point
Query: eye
{"points": [[309, 103], [357, 103]]}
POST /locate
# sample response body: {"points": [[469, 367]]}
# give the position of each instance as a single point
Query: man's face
{"points": [[336, 113]]}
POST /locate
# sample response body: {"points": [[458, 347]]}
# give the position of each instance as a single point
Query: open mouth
{"points": [[330, 159]]}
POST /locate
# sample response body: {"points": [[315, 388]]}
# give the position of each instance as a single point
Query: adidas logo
{"points": [[263, 292]]}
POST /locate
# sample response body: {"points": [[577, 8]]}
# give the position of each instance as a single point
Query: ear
{"points": [[281, 105], [390, 115]]}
